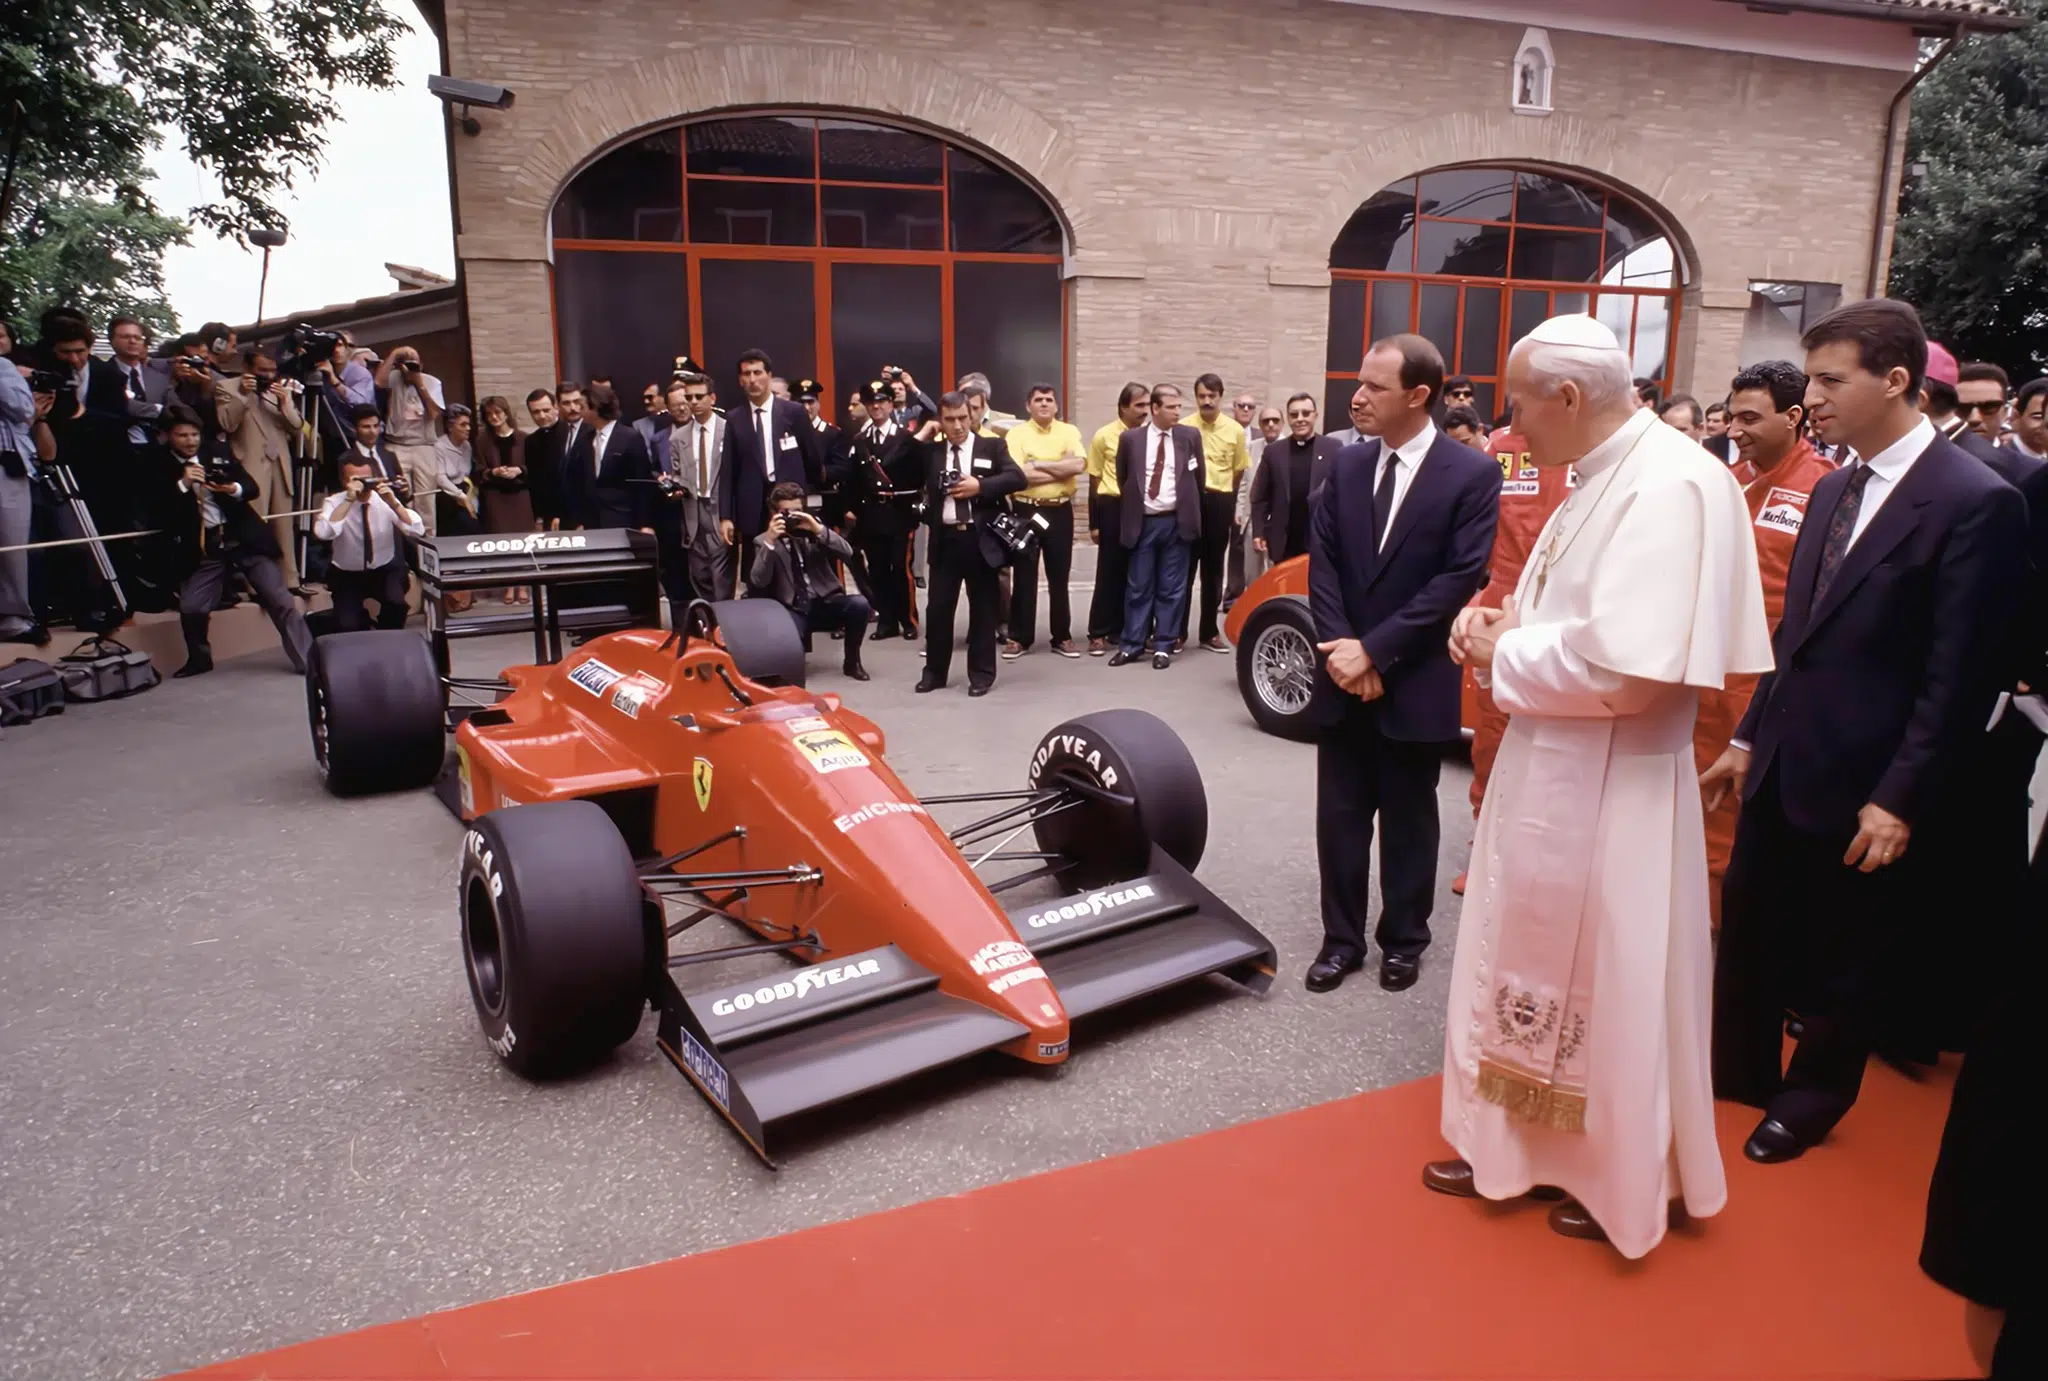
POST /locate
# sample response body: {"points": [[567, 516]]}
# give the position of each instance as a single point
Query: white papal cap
{"points": [[1576, 330]]}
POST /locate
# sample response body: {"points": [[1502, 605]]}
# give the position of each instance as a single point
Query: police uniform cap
{"points": [[876, 391], [806, 390]]}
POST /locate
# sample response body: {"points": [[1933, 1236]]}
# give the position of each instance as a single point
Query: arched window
{"points": [[1474, 258], [837, 245]]}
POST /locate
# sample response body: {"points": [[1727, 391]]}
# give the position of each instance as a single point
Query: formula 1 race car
{"points": [[1275, 637], [692, 768]]}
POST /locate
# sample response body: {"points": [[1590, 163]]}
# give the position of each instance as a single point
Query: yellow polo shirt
{"points": [[1102, 461], [1030, 443], [1224, 450]]}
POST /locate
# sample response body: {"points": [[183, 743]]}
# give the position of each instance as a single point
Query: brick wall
{"points": [[1204, 155]]}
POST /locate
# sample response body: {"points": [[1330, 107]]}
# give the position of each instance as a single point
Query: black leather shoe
{"points": [[928, 683], [1161, 661], [1452, 1177], [1570, 1219], [983, 689], [1330, 969], [856, 672], [1398, 972], [1124, 659], [196, 664], [36, 635], [1773, 1143], [887, 630]]}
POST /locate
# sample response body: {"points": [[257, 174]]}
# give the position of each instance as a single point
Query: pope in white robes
{"points": [[1576, 1050]]}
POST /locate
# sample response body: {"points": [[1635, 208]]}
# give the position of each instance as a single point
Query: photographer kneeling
{"points": [[793, 565], [367, 525], [217, 494]]}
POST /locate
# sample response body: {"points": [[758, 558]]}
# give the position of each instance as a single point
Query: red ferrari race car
{"points": [[649, 782], [1275, 637]]}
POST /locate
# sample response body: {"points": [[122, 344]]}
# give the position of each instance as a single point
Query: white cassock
{"points": [[1576, 1050]]}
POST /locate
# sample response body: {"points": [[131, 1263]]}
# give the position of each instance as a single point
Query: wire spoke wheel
{"points": [[1283, 669]]}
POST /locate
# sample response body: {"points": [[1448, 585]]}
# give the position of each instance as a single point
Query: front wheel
{"points": [[1276, 666], [1127, 754]]}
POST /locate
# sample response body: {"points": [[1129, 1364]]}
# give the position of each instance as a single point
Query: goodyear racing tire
{"points": [[553, 935], [765, 643], [377, 711], [1130, 753], [1276, 666]]}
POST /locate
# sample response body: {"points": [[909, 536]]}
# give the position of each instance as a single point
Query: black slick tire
{"points": [[763, 639], [1276, 667], [377, 711], [1127, 753], [554, 936]]}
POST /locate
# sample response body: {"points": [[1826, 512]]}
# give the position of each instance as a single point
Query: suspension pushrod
{"points": [[971, 797], [662, 865], [1029, 875], [764, 877], [677, 961], [965, 839], [1035, 800]]}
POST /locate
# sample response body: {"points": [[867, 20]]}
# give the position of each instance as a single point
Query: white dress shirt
{"points": [[959, 456], [136, 387], [1887, 468], [597, 445], [365, 535], [1165, 502], [764, 427], [1407, 459]]}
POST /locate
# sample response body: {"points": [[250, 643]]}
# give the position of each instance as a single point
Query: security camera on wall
{"points": [[463, 94]]}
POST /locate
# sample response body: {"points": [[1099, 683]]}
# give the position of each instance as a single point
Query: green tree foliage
{"points": [[1970, 252], [247, 86]]}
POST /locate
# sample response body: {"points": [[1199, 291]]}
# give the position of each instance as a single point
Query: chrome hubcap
{"points": [[1283, 669]]}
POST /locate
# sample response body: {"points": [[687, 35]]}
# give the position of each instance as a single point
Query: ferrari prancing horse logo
{"points": [[701, 778]]}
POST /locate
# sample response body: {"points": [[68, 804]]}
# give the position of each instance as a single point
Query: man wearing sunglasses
{"points": [[1459, 392], [1939, 400], [1981, 391], [1290, 472]]}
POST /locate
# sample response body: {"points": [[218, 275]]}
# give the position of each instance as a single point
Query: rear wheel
{"points": [[1121, 753], [1276, 666], [765, 643], [377, 711], [553, 935]]}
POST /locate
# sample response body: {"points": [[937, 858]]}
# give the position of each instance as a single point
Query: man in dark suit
{"points": [[1899, 632], [544, 457], [1398, 544], [888, 473], [768, 441], [1291, 471], [610, 482], [1940, 401], [1159, 479], [963, 548]]}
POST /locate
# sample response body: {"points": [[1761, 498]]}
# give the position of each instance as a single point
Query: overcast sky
{"points": [[385, 165]]}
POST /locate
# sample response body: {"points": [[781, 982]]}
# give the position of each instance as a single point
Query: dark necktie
{"points": [[135, 390], [1158, 470], [1841, 528], [369, 542], [1383, 499], [953, 513], [761, 425]]}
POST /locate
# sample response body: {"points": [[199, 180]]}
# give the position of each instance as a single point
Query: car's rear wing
{"points": [[766, 1051]]}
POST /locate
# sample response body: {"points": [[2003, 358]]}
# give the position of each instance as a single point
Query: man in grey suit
{"points": [[693, 475]]}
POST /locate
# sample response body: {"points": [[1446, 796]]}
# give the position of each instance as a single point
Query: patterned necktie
{"points": [[1840, 529], [1158, 470], [1383, 499]]}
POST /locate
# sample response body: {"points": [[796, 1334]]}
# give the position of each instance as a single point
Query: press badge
{"points": [[982, 465], [788, 442]]}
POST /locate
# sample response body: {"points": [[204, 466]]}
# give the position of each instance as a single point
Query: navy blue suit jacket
{"points": [[753, 473], [621, 491], [1881, 686], [1400, 600]]}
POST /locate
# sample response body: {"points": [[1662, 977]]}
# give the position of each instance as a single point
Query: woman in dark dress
{"points": [[501, 477]]}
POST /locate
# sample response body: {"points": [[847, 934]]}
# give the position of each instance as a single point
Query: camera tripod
{"points": [[80, 527]]}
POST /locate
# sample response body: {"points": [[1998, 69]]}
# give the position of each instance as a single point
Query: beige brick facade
{"points": [[1202, 155]]}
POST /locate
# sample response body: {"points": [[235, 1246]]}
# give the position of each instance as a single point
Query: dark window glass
{"points": [[849, 151], [769, 304], [1472, 194], [1006, 323], [886, 314], [1531, 309], [1390, 308], [1438, 322], [1337, 403], [1479, 251], [1569, 304], [1483, 399], [1553, 201], [1480, 353], [995, 213], [1629, 227], [1653, 336], [752, 213], [1347, 326], [1378, 235], [883, 218], [1561, 256], [632, 193], [621, 314], [763, 146]]}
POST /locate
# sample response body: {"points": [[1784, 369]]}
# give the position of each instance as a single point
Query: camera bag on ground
{"points": [[102, 669], [29, 689]]}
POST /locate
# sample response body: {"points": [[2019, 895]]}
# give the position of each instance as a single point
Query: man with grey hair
{"points": [[987, 421], [1576, 1055]]}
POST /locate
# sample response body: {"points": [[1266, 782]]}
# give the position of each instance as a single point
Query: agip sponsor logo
{"points": [[796, 989], [830, 750], [1784, 510], [1094, 904]]}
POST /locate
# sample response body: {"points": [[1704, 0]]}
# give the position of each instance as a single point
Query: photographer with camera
{"points": [[348, 376], [21, 411], [210, 518], [367, 524], [794, 566], [260, 414], [968, 480], [412, 418]]}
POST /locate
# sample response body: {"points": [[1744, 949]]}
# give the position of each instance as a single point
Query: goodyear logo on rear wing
{"points": [[595, 677], [532, 541]]}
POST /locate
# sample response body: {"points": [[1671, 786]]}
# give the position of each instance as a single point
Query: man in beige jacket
{"points": [[260, 415]]}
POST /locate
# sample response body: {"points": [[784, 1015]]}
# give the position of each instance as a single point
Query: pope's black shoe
{"points": [[1398, 972], [1773, 1143], [1330, 968]]}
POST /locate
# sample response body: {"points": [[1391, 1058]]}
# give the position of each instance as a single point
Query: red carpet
{"points": [[1302, 1245]]}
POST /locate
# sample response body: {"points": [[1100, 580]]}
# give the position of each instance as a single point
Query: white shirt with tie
{"points": [[597, 445], [1163, 501], [960, 457], [369, 540], [1407, 458], [1887, 468], [764, 427], [136, 387]]}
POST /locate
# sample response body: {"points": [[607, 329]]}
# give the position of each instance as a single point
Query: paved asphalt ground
{"points": [[243, 1098]]}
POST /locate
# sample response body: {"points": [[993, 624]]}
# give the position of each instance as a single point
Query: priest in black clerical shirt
{"points": [[1289, 474]]}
